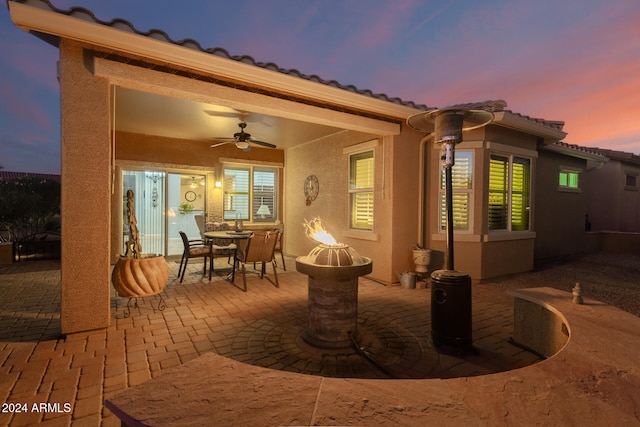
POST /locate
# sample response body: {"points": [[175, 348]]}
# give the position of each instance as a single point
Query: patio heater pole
{"points": [[451, 328], [448, 161]]}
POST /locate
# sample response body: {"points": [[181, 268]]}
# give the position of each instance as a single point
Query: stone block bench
{"points": [[593, 379]]}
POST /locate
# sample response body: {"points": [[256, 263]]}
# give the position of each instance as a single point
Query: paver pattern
{"points": [[74, 374]]}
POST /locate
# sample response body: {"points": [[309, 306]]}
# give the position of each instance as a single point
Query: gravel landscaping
{"points": [[610, 278]]}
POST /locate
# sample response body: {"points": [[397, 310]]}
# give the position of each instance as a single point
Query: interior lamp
{"points": [[263, 211]]}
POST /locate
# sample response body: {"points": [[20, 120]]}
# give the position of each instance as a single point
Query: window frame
{"points": [[354, 190], [251, 193], [469, 191], [509, 193], [631, 175], [569, 172]]}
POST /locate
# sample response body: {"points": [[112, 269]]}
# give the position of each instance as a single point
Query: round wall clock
{"points": [[311, 188], [190, 196]]}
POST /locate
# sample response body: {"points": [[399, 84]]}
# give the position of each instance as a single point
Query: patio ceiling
{"points": [[154, 114]]}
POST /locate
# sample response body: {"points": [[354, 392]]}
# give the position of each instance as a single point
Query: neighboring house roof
{"points": [[621, 156], [550, 130], [578, 151], [19, 175]]}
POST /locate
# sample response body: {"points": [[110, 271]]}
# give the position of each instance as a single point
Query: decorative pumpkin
{"points": [[140, 277], [137, 275]]}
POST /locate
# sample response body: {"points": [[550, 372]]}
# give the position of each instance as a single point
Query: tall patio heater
{"points": [[451, 329]]}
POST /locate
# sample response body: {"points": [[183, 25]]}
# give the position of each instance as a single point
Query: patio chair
{"points": [[194, 248], [221, 247], [259, 248]]}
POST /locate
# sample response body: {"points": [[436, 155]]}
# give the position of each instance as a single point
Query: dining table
{"points": [[231, 235], [228, 235]]}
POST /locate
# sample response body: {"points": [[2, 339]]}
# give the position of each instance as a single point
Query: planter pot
{"points": [[6, 253], [133, 278]]}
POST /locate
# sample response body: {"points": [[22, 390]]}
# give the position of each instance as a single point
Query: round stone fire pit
{"points": [[333, 272]]}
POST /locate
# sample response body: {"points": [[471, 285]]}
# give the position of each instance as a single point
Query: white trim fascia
{"points": [[31, 18], [514, 121], [243, 162], [500, 148], [501, 236], [572, 152], [361, 146]]}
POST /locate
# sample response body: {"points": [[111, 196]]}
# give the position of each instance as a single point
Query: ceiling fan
{"points": [[242, 140]]}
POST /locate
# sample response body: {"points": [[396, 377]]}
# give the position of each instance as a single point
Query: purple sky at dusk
{"points": [[577, 61]]}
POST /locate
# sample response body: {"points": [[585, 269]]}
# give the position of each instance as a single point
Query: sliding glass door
{"points": [[149, 192], [185, 207], [165, 204]]}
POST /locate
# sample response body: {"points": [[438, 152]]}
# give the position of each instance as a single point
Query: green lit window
{"points": [[568, 179], [461, 180], [509, 193], [361, 190]]}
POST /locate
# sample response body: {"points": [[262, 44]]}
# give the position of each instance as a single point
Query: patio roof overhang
{"points": [[523, 124], [43, 20], [34, 16]]}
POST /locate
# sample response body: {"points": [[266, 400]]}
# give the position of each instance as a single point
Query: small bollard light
{"points": [[577, 294]]}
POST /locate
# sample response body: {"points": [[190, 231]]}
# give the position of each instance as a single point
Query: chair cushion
{"points": [[199, 250]]}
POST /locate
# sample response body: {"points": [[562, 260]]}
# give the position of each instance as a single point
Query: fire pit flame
{"points": [[329, 252], [316, 232]]}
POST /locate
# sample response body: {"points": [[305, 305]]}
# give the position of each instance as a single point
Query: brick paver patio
{"points": [[73, 375]]}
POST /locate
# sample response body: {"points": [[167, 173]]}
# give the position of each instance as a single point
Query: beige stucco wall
{"points": [[560, 214], [86, 179], [610, 205], [395, 199]]}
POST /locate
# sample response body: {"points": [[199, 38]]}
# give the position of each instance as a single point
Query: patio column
{"points": [[85, 197]]}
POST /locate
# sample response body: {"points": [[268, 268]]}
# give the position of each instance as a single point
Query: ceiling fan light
{"points": [[243, 145]]}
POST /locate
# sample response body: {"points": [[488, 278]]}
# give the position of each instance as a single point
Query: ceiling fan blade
{"points": [[264, 144], [244, 116], [222, 143]]}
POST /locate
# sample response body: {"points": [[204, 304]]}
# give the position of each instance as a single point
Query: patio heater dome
{"points": [[451, 122]]}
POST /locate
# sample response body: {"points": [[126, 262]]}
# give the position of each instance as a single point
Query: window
{"points": [[631, 181], [361, 190], [568, 179], [461, 178], [509, 193], [252, 190]]}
